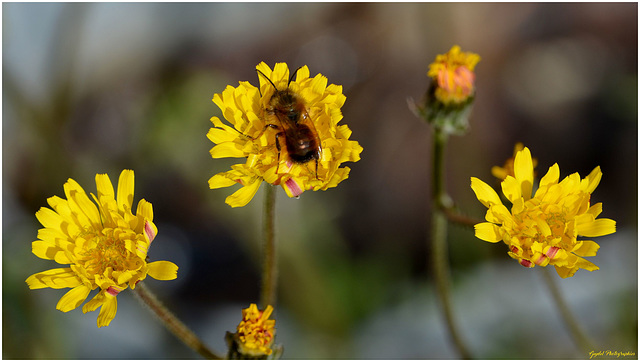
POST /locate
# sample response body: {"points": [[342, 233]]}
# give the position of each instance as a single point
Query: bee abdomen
{"points": [[303, 147]]}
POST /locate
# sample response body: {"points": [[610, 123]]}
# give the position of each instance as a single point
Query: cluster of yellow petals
{"points": [[244, 107], [507, 169], [453, 72], [256, 331], [104, 244], [543, 228]]}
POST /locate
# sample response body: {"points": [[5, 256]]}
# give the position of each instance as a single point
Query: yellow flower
{"points": [[264, 133], [256, 332], [544, 229], [105, 246], [507, 170], [454, 75]]}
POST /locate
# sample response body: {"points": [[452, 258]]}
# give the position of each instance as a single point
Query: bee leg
{"points": [[316, 169], [269, 125], [278, 147]]}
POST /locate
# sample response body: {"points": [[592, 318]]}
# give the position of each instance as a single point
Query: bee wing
{"points": [[306, 119]]}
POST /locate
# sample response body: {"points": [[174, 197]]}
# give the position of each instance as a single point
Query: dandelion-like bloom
{"points": [[453, 72], [544, 229], [256, 331], [258, 134], [105, 245], [507, 170]]}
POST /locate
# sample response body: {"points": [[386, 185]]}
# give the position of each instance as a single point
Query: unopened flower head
{"points": [[256, 332], [543, 229], [453, 72], [287, 130], [104, 244], [507, 169]]}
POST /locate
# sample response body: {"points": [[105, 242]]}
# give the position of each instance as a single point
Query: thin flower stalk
{"points": [[446, 108], [269, 263], [172, 323], [439, 254], [575, 329]]}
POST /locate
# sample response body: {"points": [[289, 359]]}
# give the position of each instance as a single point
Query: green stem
{"points": [[577, 333], [460, 219], [172, 323], [269, 266], [439, 254]]}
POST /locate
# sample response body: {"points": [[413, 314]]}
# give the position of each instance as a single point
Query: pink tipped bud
{"points": [[294, 188], [526, 263], [113, 290], [149, 231], [541, 259], [551, 253]]}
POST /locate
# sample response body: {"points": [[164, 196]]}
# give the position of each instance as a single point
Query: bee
{"points": [[294, 125]]}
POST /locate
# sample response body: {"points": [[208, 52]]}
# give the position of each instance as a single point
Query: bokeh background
{"points": [[98, 87]]}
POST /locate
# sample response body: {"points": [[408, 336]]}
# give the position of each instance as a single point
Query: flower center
{"points": [[542, 224], [107, 250]]}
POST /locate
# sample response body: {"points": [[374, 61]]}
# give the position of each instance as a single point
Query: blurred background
{"points": [[99, 87]]}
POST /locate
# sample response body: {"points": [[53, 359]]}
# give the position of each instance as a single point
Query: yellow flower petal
{"points": [[592, 181], [73, 298], [488, 232], [499, 172], [49, 218], [595, 209], [586, 265], [512, 189], [123, 277], [217, 135], [228, 149], [145, 210], [107, 311], [485, 193], [523, 169], [598, 227], [588, 248], [244, 195], [94, 303], [54, 278], [44, 249], [566, 272], [220, 180], [87, 207], [497, 214], [162, 270], [125, 190], [551, 178], [48, 250], [104, 186]]}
